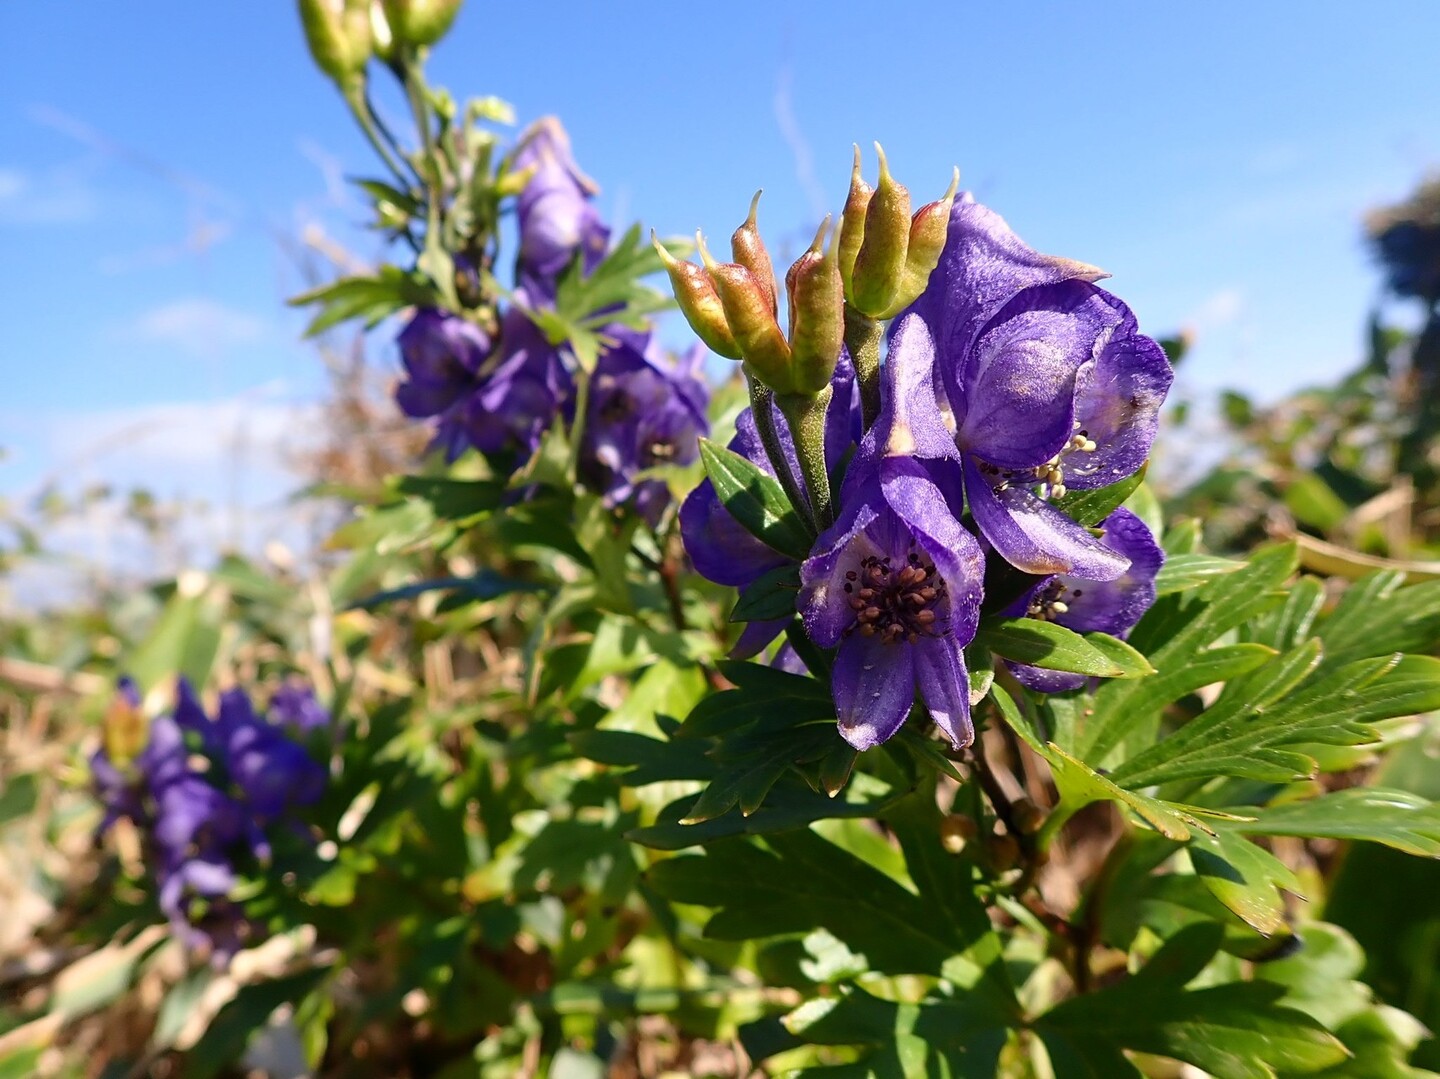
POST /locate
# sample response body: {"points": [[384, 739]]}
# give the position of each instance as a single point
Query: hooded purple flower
{"points": [[557, 216], [513, 398], [720, 548], [1033, 377], [442, 354], [272, 773], [896, 584], [1087, 606], [644, 412], [294, 707]]}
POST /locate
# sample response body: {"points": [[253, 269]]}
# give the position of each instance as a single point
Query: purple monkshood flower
{"points": [[1019, 366], [644, 412], [498, 400], [720, 548], [896, 584], [557, 216], [295, 708], [442, 354], [194, 828], [1087, 606]]}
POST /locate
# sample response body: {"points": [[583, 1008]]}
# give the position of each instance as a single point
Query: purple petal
{"points": [[922, 505], [1043, 681], [945, 686], [823, 602], [1115, 606], [1019, 376], [983, 267], [1117, 404], [1033, 535], [911, 422], [756, 635], [722, 549], [874, 687]]}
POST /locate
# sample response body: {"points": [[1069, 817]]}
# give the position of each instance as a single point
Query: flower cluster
{"points": [[500, 391], [206, 793], [1009, 381]]}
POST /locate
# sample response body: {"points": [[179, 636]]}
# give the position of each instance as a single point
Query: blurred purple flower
{"points": [[295, 708], [1015, 363], [1087, 606], [896, 584], [442, 354], [556, 214], [644, 412]]}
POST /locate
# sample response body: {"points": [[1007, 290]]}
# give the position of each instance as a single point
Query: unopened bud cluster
{"points": [[344, 34], [733, 307], [876, 260]]}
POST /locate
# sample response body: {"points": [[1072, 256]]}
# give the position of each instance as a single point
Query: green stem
{"points": [[761, 397], [862, 340], [360, 109], [805, 413], [577, 427]]}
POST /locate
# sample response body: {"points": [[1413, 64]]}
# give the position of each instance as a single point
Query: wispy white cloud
{"points": [[195, 325], [52, 196], [1223, 307]]}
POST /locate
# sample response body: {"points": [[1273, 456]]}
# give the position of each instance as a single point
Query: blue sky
{"points": [[155, 159]]}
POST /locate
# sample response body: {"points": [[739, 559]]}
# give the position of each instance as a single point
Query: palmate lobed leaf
{"points": [[1247, 734], [1395, 818], [1246, 878], [1233, 1031], [1172, 636]]}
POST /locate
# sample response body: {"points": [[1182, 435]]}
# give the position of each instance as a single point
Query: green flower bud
{"points": [[338, 33], [418, 23], [817, 312], [699, 303], [751, 318], [748, 249], [381, 39], [875, 281], [928, 230], [852, 222]]}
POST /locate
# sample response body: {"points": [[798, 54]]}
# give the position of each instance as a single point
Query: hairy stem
{"points": [[862, 340], [761, 398], [806, 416]]}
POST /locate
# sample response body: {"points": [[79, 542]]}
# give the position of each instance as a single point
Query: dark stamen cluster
{"points": [[897, 604], [1050, 602]]}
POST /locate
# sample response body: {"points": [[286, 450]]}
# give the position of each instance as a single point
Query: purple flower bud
{"points": [[556, 214]]}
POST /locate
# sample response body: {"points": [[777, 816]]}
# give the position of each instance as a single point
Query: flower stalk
{"points": [[805, 413]]}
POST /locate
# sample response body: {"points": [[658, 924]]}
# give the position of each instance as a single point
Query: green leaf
{"points": [[1182, 572], [799, 882], [1246, 734], [1244, 877], [461, 501], [1232, 1031], [755, 499], [769, 597], [1055, 648], [1377, 616], [1396, 818], [1079, 785], [485, 585], [1179, 633], [1089, 508], [185, 639], [371, 298], [230, 1031]]}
